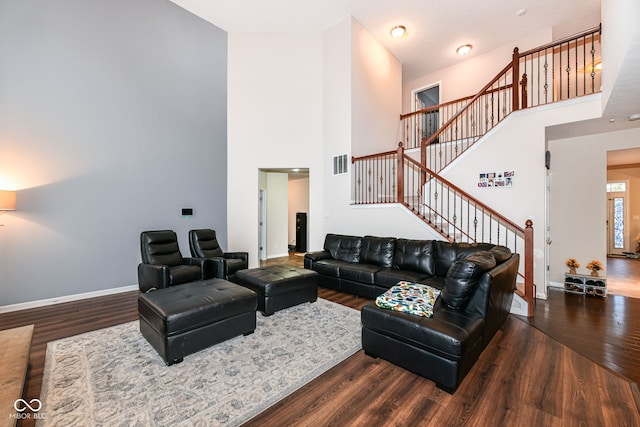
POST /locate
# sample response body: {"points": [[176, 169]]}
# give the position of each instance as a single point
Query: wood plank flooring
{"points": [[623, 276], [524, 377]]}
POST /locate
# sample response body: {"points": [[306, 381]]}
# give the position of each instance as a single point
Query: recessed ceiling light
{"points": [[521, 12], [398, 31], [464, 49], [634, 117]]}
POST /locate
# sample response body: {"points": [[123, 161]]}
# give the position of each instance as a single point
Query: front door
{"points": [[617, 218]]}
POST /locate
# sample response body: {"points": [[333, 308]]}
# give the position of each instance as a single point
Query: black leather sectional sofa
{"points": [[476, 281]]}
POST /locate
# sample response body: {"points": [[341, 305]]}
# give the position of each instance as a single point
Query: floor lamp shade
{"points": [[7, 200]]}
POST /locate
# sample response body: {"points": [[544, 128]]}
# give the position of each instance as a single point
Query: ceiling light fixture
{"points": [[398, 31], [464, 49], [634, 117]]}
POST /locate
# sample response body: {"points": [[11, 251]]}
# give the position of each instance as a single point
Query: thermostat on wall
{"points": [[187, 211]]}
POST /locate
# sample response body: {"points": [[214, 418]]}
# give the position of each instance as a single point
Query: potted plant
{"points": [[595, 267], [572, 264]]}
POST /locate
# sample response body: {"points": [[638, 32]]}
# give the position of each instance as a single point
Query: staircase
{"points": [[411, 174]]}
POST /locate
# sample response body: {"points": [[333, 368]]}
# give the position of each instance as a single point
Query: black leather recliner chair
{"points": [[204, 244], [162, 263]]}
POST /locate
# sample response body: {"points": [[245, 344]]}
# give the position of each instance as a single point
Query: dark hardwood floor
{"points": [[576, 362]]}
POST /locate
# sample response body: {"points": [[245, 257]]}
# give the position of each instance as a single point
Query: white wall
{"points": [[362, 105], [112, 118], [376, 85], [578, 199], [619, 28], [519, 144], [275, 112]]}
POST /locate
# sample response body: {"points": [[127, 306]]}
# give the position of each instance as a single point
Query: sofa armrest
{"points": [[317, 255], [311, 257], [153, 277], [494, 295], [198, 262], [215, 268], [237, 255]]}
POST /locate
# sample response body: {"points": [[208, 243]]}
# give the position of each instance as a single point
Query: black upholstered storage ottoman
{"points": [[183, 319], [279, 287]]}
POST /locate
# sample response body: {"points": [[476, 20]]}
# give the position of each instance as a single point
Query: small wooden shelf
{"points": [[585, 284]]}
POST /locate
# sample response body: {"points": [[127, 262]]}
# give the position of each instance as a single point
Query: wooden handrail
{"points": [[467, 195], [555, 43], [434, 107], [373, 156], [445, 104], [475, 97]]}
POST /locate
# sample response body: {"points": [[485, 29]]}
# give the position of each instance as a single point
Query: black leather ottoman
{"points": [[183, 319], [279, 287]]}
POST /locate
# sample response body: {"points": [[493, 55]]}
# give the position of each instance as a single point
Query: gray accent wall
{"points": [[113, 117]]}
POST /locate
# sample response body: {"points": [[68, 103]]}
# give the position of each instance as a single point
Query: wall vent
{"points": [[341, 164]]}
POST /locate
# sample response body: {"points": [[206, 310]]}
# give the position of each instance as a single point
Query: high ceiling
{"points": [[435, 27]]}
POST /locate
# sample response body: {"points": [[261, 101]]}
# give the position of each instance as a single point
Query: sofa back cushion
{"points": [[343, 248], [447, 253], [462, 278], [415, 255], [500, 253], [377, 250]]}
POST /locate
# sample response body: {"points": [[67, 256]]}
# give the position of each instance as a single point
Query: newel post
{"points": [[529, 286], [400, 174], [515, 98]]}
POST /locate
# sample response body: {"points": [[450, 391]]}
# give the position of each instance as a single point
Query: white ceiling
{"points": [[435, 27]]}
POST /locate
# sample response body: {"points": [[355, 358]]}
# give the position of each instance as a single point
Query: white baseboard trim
{"points": [[278, 255], [66, 298], [556, 285]]}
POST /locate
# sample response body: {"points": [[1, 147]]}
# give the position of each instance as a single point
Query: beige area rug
{"points": [[113, 377]]}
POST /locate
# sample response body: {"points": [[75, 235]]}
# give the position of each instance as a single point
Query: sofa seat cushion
{"points": [[409, 297], [329, 267], [363, 273], [449, 333], [388, 277]]}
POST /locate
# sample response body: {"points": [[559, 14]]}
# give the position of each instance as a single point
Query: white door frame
{"points": [[262, 224]]}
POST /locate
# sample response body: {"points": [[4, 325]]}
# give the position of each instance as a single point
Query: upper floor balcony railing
{"points": [[561, 70]]}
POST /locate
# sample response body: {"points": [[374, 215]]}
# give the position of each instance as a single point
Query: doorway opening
{"points": [[426, 97], [283, 211]]}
